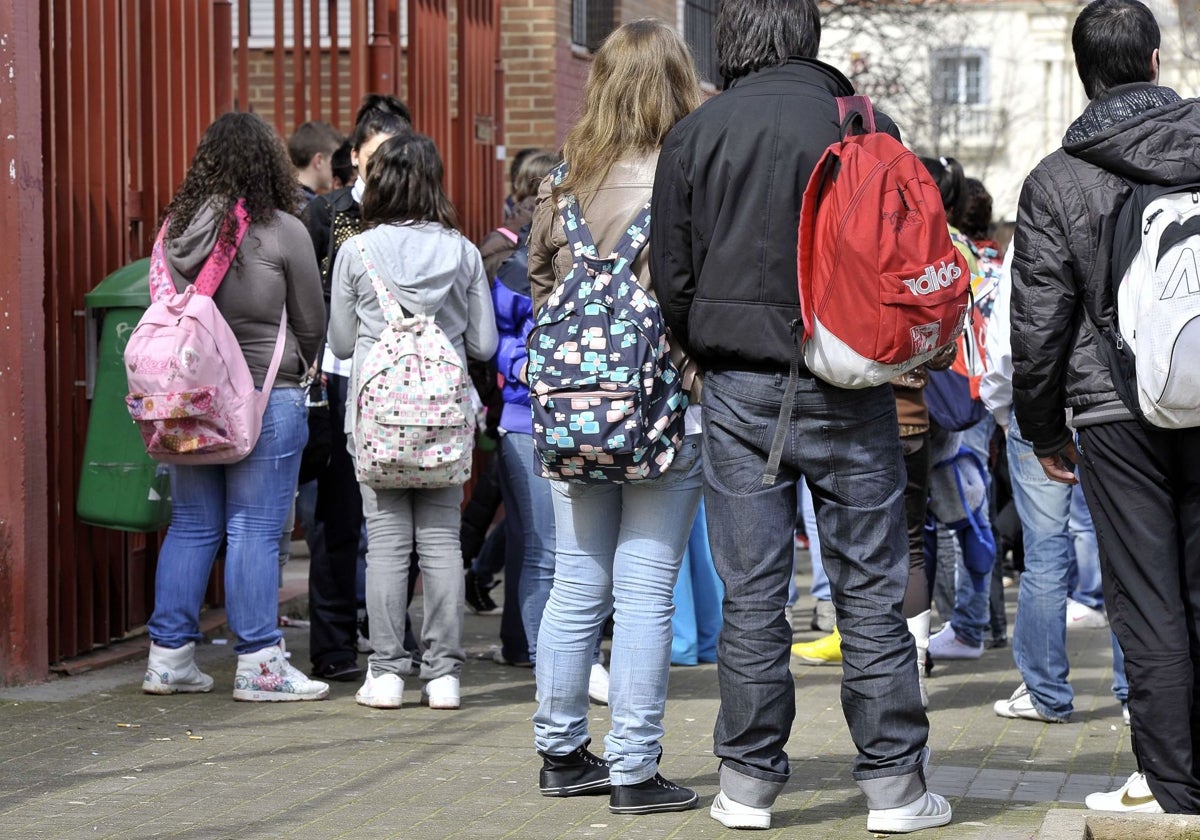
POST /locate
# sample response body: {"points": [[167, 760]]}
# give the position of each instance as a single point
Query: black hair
{"points": [[1114, 42], [239, 156], [753, 34], [977, 210], [342, 164], [404, 185], [310, 139], [380, 114], [948, 175]]}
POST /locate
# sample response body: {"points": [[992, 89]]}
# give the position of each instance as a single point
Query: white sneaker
{"points": [[1081, 615], [442, 693], [174, 671], [1020, 705], [266, 676], [733, 814], [945, 645], [598, 685], [382, 692], [1132, 797], [927, 811]]}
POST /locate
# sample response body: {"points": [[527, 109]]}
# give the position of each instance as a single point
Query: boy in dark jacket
{"points": [[723, 245], [1142, 483]]}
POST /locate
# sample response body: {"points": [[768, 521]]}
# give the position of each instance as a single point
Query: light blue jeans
{"points": [[246, 505], [1086, 585], [619, 547]]}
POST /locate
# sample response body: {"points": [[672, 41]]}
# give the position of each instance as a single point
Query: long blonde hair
{"points": [[641, 83]]}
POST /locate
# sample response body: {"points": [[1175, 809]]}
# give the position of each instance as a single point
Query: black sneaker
{"points": [[650, 797], [578, 773], [344, 671], [479, 598]]}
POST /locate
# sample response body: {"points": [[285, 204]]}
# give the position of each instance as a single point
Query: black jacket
{"points": [[1068, 210], [331, 219], [726, 208]]}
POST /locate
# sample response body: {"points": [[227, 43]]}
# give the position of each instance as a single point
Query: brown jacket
{"points": [[607, 211]]}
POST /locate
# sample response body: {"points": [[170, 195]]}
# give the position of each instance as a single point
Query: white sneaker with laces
{"points": [[1020, 705], [927, 811], [266, 676], [598, 685], [733, 814], [442, 693], [944, 644], [383, 692], [1133, 797], [1081, 615]]}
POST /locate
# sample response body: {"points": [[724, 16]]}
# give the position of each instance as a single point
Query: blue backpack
{"points": [[607, 399]]}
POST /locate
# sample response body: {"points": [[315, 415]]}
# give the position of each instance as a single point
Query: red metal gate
{"points": [[128, 88]]}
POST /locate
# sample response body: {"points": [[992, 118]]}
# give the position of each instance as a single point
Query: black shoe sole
{"points": [[657, 808], [341, 673], [601, 786]]}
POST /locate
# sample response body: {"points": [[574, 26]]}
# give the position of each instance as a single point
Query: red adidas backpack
{"points": [[882, 287]]}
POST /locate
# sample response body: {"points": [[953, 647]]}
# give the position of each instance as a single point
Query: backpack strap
{"points": [[507, 234], [634, 239], [213, 272], [276, 357], [851, 108], [392, 310]]}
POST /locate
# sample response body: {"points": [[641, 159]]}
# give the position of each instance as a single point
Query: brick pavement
{"points": [[90, 756]]}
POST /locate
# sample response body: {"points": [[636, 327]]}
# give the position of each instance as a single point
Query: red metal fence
{"points": [[128, 88]]}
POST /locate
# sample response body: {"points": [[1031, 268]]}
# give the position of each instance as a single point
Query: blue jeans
{"points": [[245, 504], [972, 590], [529, 538], [846, 444], [698, 595], [619, 547], [1040, 630], [1086, 585], [820, 581]]}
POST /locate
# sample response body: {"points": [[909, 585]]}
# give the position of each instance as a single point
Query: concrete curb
{"points": [[1064, 824]]}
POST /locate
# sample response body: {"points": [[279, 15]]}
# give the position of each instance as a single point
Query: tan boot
{"points": [[918, 626]]}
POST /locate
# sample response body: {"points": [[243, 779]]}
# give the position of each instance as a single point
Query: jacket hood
{"points": [[186, 253], [1142, 132], [420, 261]]}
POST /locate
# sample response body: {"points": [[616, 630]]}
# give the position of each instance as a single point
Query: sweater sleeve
{"points": [[305, 300], [480, 338], [343, 306]]}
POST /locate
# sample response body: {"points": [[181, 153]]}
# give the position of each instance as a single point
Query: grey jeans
{"points": [[847, 445], [397, 522]]}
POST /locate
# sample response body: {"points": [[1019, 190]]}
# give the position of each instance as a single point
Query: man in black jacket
{"points": [[723, 246], [1142, 484]]}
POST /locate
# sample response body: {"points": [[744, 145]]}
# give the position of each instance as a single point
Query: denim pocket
{"points": [[864, 461], [733, 452]]}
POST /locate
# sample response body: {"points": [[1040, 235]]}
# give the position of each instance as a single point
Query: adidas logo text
{"points": [[934, 279]]}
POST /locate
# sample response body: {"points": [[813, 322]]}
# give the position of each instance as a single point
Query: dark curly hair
{"points": [[239, 156]]}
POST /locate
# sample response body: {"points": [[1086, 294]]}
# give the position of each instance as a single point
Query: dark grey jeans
{"points": [[847, 445]]}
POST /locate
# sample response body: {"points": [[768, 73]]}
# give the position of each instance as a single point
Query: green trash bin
{"points": [[120, 486]]}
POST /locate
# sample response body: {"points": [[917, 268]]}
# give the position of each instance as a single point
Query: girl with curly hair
{"points": [[240, 162]]}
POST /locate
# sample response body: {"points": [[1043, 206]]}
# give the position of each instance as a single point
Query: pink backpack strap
{"points": [[215, 267], [276, 357], [507, 234]]}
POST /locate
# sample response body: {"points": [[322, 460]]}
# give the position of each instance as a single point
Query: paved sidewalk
{"points": [[91, 756]]}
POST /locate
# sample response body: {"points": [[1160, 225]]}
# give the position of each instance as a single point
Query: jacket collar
{"points": [[808, 70], [1119, 105]]}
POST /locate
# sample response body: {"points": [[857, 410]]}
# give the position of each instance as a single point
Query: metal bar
{"points": [[222, 52], [299, 106], [279, 49], [335, 65], [382, 51], [314, 59], [243, 53], [358, 53]]}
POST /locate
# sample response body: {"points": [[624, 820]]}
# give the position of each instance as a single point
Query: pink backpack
{"points": [[190, 389]]}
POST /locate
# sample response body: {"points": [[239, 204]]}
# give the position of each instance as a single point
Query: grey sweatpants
{"points": [[397, 522]]}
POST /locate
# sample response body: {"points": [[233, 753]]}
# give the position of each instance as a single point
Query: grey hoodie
{"points": [[430, 270], [275, 266]]}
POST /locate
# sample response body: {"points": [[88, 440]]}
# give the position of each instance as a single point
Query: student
{"points": [[245, 503], [412, 235], [619, 546], [312, 147]]}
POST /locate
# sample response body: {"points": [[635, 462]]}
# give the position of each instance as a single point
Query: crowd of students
{"points": [[905, 485]]}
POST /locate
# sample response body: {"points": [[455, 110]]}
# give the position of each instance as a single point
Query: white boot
{"points": [[266, 676], [174, 671], [918, 626]]}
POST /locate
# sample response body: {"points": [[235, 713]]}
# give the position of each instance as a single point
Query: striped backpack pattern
{"points": [[415, 426], [607, 400]]}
